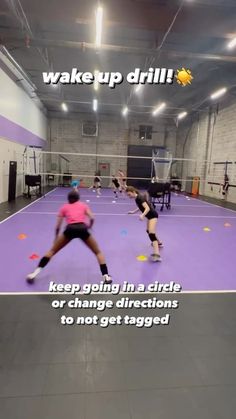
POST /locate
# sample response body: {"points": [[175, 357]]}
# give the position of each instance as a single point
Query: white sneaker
{"points": [[30, 278], [107, 279], [156, 258]]}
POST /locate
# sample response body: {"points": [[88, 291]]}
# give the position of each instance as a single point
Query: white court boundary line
{"points": [[201, 200], [122, 215], [214, 205], [128, 203], [95, 202], [27, 206]]}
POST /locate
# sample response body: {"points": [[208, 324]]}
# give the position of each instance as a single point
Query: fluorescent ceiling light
{"points": [[125, 111], [95, 105], [99, 17], [96, 84], [138, 88], [218, 93], [182, 115], [232, 43], [159, 109], [64, 107]]}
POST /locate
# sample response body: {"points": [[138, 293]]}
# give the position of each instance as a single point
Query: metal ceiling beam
{"points": [[151, 16], [21, 77], [86, 46], [120, 105], [51, 100], [17, 10]]}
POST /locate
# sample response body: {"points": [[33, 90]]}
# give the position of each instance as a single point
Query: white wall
{"points": [[115, 134], [21, 123], [212, 137], [19, 108]]}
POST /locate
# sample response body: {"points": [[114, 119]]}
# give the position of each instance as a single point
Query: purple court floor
{"points": [[198, 259]]}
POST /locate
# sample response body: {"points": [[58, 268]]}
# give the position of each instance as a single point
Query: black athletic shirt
{"points": [[140, 199], [97, 179], [116, 183]]}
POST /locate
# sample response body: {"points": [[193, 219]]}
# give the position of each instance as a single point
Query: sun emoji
{"points": [[184, 77]]}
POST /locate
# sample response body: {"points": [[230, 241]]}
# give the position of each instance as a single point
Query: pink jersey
{"points": [[74, 213]]}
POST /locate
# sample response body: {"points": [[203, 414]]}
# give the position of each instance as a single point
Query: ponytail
{"points": [[132, 189]]}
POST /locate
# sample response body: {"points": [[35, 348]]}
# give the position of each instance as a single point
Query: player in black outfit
{"points": [[147, 212], [122, 180], [225, 186], [116, 186], [97, 183]]}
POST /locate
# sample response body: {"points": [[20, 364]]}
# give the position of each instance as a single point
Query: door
{"points": [[12, 181], [104, 169]]}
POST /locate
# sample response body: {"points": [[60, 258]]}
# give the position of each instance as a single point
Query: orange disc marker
{"points": [[22, 236], [34, 256]]}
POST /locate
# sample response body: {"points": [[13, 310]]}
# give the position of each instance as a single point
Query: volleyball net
{"points": [[60, 168]]}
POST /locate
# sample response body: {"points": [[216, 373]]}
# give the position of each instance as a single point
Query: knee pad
{"points": [[152, 237], [43, 262]]}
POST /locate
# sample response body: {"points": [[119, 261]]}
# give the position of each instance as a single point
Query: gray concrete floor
{"points": [[186, 370]]}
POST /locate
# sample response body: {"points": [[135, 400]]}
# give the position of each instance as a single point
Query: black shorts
{"points": [[116, 184], [96, 185], [77, 231], [151, 214]]}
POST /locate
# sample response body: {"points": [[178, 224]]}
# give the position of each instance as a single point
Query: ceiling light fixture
{"points": [[96, 84], [159, 109], [232, 43], [138, 88], [99, 18], [218, 93], [182, 115], [95, 105], [125, 111], [64, 107]]}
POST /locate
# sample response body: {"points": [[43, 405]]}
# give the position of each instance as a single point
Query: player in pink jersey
{"points": [[75, 213]]}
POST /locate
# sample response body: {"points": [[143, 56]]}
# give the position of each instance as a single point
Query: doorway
{"points": [[104, 169]]}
